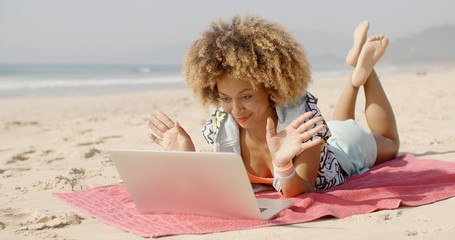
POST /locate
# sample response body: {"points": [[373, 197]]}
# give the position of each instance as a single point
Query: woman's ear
{"points": [[271, 101]]}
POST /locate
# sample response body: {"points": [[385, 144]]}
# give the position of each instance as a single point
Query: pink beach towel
{"points": [[404, 181]]}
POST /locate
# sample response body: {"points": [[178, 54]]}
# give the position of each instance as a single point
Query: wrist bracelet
{"points": [[285, 173]]}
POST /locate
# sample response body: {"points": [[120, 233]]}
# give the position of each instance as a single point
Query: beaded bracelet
{"points": [[285, 173]]}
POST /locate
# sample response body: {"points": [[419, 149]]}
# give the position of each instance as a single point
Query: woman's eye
{"points": [[224, 99], [246, 97]]}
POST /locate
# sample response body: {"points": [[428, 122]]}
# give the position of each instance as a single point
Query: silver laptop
{"points": [[202, 183]]}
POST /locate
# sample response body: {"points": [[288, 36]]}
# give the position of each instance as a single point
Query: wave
{"points": [[17, 84]]}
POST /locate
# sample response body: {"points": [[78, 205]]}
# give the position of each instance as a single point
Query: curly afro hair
{"points": [[255, 50]]}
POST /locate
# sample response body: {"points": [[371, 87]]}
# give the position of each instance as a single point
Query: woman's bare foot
{"points": [[360, 36], [373, 49]]}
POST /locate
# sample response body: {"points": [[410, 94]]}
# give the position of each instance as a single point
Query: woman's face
{"points": [[248, 105]]}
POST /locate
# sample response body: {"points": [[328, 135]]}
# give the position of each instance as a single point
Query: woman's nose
{"points": [[237, 108]]}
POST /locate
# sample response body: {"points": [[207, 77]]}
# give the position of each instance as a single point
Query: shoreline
{"points": [[70, 85]]}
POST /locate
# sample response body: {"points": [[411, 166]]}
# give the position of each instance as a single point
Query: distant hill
{"points": [[434, 44]]}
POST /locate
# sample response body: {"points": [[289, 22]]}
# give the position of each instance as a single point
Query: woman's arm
{"points": [[306, 166], [295, 160], [169, 135]]}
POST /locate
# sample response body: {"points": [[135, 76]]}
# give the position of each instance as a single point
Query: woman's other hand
{"points": [[169, 135], [290, 142]]}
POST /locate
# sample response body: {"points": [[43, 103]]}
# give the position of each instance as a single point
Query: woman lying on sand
{"points": [[256, 74]]}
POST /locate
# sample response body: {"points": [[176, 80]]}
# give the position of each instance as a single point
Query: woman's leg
{"points": [[360, 37], [345, 108], [378, 112], [380, 119]]}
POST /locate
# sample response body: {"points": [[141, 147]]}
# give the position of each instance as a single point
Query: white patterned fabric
{"points": [[222, 133]]}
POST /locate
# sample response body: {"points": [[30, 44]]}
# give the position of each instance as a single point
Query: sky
{"points": [[159, 31]]}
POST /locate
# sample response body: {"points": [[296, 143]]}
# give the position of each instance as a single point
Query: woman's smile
{"points": [[243, 119]]}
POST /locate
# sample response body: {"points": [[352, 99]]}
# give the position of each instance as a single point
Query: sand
{"points": [[59, 144]]}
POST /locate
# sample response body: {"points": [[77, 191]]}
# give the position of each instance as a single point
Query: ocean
{"points": [[73, 80]]}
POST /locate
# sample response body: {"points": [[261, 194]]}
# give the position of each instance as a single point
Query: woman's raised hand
{"points": [[290, 142], [169, 135]]}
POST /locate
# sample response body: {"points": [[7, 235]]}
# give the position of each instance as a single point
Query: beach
{"points": [[60, 144]]}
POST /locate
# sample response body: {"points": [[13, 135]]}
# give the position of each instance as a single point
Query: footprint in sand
{"points": [[54, 159], [91, 152], [383, 217], [412, 233], [444, 228], [77, 171], [21, 219], [16, 216], [46, 152], [90, 143], [20, 157], [20, 124], [84, 131], [23, 190], [99, 141], [53, 221], [110, 137], [50, 156], [12, 172], [62, 183]]}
